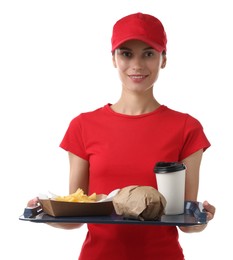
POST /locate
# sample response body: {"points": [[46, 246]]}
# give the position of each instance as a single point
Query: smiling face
{"points": [[138, 65]]}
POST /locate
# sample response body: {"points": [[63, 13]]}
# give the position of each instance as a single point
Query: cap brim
{"points": [[154, 45]]}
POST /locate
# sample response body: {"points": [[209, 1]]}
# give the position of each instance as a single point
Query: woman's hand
{"points": [[33, 202], [210, 210]]}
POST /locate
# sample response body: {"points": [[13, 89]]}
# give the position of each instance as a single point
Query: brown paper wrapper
{"points": [[139, 202]]}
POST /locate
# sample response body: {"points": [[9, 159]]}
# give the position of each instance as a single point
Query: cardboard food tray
{"points": [[76, 209], [193, 215]]}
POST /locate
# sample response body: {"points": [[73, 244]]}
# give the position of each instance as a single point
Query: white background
{"points": [[55, 63]]}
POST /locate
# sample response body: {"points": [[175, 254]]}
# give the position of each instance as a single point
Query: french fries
{"points": [[77, 196]]}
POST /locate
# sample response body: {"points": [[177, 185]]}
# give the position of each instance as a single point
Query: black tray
{"points": [[194, 215]]}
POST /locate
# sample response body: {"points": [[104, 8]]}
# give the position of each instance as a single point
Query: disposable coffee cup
{"points": [[170, 178]]}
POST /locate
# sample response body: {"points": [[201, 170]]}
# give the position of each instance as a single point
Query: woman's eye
{"points": [[149, 54], [126, 54]]}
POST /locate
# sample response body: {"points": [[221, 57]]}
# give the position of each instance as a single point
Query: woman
{"points": [[118, 145]]}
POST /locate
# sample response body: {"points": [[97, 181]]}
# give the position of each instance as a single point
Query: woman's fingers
{"points": [[210, 209]]}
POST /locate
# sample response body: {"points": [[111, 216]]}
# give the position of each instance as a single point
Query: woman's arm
{"points": [[193, 163], [79, 174], [79, 178]]}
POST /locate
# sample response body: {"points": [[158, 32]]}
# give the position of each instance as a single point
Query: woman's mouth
{"points": [[137, 78]]}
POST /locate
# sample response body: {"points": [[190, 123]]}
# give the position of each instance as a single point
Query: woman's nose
{"points": [[137, 64]]}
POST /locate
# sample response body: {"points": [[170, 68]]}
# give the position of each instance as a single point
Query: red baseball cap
{"points": [[139, 26]]}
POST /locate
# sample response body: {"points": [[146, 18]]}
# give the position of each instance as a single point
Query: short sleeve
{"points": [[194, 138], [73, 140]]}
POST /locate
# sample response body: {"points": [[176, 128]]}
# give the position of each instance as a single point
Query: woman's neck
{"points": [[135, 104]]}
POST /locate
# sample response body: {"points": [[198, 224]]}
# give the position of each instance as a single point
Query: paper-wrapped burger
{"points": [[139, 202]]}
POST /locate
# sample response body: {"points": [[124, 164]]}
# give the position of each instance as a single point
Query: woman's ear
{"points": [[114, 60], [164, 61]]}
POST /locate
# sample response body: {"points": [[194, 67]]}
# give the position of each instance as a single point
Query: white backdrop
{"points": [[55, 62]]}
